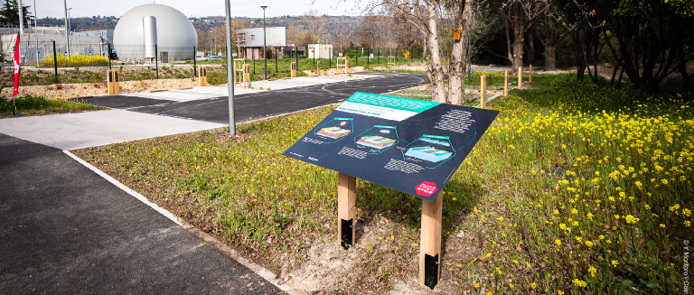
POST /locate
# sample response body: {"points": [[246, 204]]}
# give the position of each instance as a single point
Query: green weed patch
{"points": [[39, 105]]}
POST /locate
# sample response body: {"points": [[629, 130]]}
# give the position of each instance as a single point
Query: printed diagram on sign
{"points": [[429, 150], [377, 139], [334, 130]]}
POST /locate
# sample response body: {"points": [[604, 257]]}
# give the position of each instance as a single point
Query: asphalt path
{"points": [[262, 104], [66, 230]]}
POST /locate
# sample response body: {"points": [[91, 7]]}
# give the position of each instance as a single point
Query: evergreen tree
{"points": [[9, 13]]}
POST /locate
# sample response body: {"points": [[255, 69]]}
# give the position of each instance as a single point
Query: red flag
{"points": [[16, 67]]}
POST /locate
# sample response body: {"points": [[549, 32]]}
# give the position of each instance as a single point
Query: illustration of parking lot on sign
{"points": [[429, 151], [334, 130], [377, 139]]}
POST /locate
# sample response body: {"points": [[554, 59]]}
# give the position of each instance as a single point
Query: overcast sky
{"points": [[197, 8]]}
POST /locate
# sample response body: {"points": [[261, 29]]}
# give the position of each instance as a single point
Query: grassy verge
{"points": [[39, 105], [576, 188]]}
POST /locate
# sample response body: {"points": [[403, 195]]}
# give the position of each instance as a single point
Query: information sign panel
{"points": [[413, 146]]}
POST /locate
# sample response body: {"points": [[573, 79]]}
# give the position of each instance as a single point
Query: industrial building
{"points": [[37, 42], [154, 27]]}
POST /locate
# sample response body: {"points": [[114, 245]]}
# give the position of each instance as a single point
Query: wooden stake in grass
{"points": [[203, 76], [505, 83], [430, 242], [293, 64], [346, 209], [318, 68], [112, 80], [483, 92], [520, 77]]}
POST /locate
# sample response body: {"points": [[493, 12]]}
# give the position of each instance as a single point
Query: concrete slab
{"points": [[81, 130]]}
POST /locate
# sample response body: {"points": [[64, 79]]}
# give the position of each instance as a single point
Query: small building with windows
{"points": [[250, 41]]}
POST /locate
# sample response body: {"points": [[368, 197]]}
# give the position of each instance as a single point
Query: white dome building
{"points": [[143, 26]]}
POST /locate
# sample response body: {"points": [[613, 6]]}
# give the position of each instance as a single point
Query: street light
{"points": [[67, 39], [264, 42], [69, 26], [230, 72]]}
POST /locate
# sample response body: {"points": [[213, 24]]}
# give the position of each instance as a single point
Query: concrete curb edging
{"points": [[210, 240], [128, 190]]}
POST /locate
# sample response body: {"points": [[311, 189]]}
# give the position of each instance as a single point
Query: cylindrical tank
{"points": [[149, 29], [175, 33]]}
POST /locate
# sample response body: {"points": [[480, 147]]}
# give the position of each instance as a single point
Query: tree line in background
{"points": [[646, 43]]}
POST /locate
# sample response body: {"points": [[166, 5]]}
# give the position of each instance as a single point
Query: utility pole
{"points": [[36, 34], [264, 42], [67, 32], [230, 71], [21, 18]]}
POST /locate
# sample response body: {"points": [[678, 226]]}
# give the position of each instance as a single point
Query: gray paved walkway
{"points": [[65, 230]]}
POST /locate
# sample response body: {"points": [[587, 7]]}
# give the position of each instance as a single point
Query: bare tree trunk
{"points": [[435, 67], [456, 72], [518, 30], [530, 46], [514, 47]]}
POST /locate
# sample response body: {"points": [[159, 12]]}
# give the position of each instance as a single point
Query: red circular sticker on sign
{"points": [[426, 188]]}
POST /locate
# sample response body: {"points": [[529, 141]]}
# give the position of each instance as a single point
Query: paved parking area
{"points": [[66, 230]]}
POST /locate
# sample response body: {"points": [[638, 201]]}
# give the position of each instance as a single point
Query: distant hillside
{"points": [[329, 23]]}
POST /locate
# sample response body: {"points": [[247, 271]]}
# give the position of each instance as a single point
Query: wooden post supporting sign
{"points": [[203, 76], [391, 62], [483, 92], [341, 63], [346, 209], [430, 242], [247, 75], [112, 80], [520, 77], [293, 69], [239, 70]]}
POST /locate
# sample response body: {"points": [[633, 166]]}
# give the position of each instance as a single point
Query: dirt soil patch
{"points": [[63, 91]]}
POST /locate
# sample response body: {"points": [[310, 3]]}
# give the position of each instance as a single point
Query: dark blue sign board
{"points": [[413, 146]]}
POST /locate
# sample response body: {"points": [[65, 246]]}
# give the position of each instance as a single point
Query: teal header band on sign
{"points": [[342, 119], [381, 126], [392, 102], [436, 136]]}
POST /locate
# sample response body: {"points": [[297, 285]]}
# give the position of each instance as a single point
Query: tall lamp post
{"points": [[67, 30], [230, 72], [264, 42]]}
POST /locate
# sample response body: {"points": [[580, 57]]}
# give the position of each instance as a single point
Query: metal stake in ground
{"points": [[230, 72], [55, 61], [264, 42], [108, 55], [156, 60], [195, 66]]}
